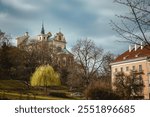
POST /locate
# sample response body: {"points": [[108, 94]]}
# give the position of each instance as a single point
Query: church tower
{"points": [[60, 40], [43, 36]]}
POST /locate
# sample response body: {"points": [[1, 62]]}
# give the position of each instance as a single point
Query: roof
{"points": [[31, 40], [133, 54], [50, 38], [65, 51]]}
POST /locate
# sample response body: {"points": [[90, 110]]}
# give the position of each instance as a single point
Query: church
{"points": [[56, 42]]}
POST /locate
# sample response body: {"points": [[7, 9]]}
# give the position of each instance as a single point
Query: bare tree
{"points": [[34, 55], [74, 79], [106, 68], [5, 52], [129, 86], [39, 53], [89, 59], [134, 26]]}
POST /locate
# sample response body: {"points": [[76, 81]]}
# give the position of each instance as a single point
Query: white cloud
{"points": [[107, 13], [20, 4], [77, 18], [3, 15], [112, 44], [105, 7]]}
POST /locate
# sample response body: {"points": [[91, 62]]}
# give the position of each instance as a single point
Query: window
{"points": [[70, 61], [149, 79], [140, 79], [64, 61], [59, 38], [140, 68], [59, 49], [121, 69], [116, 70], [127, 68], [133, 68]]}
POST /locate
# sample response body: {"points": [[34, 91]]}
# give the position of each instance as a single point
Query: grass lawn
{"points": [[17, 90], [17, 96], [12, 85]]}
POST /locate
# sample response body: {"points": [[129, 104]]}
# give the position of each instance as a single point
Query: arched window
{"points": [[64, 61], [59, 49], [59, 38]]}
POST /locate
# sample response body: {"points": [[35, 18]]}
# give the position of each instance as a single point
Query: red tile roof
{"points": [[134, 54]]}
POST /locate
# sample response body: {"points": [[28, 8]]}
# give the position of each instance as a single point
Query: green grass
{"points": [[17, 96], [17, 90], [12, 85]]}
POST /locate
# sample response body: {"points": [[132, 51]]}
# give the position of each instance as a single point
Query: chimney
{"points": [[130, 48], [142, 45], [135, 47]]}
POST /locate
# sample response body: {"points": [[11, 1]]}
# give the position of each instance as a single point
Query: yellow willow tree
{"points": [[45, 76]]}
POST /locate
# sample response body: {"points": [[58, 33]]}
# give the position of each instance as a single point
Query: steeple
{"points": [[42, 30]]}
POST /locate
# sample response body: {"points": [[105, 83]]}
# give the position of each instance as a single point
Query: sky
{"points": [[77, 19]]}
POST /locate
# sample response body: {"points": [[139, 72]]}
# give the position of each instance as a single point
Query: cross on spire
{"points": [[59, 29]]}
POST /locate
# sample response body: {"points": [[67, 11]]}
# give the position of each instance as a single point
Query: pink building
{"points": [[137, 58]]}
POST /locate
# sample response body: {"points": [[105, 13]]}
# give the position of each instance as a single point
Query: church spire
{"points": [[42, 30]]}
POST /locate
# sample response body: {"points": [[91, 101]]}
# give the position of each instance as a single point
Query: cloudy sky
{"points": [[78, 19]]}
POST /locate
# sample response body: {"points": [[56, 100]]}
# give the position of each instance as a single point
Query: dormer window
{"points": [[137, 55], [125, 57]]}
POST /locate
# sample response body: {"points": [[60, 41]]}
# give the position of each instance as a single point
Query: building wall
{"points": [[62, 45], [127, 67], [65, 60]]}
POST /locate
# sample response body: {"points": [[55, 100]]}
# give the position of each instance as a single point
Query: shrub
{"points": [[98, 90]]}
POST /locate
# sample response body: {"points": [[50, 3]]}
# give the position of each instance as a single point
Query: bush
{"points": [[100, 91]]}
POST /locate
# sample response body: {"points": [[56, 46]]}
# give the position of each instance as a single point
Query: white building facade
{"points": [[137, 58]]}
